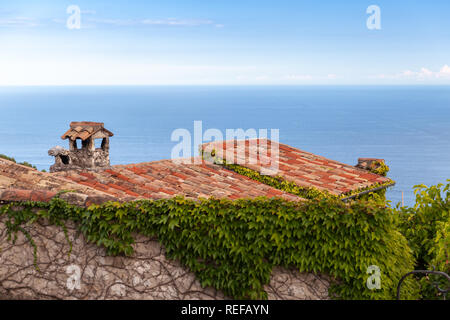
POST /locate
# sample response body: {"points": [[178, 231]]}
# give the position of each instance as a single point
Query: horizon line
{"points": [[228, 85]]}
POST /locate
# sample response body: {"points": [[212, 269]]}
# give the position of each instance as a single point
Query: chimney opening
{"points": [[64, 159], [98, 143]]}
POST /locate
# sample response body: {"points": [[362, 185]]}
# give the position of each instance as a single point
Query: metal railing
{"points": [[427, 272]]}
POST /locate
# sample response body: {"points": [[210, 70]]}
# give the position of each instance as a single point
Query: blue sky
{"points": [[224, 42]]}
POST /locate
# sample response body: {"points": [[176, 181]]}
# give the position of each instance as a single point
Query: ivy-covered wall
{"points": [[233, 246], [89, 273]]}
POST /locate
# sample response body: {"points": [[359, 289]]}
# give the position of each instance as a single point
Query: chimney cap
{"points": [[84, 130]]}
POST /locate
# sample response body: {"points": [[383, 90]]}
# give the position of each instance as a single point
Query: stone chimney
{"points": [[82, 153]]}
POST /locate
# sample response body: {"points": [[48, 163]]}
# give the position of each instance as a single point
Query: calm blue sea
{"points": [[407, 126]]}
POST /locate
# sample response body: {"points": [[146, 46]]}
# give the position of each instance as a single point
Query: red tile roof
{"points": [[16, 176], [165, 179], [303, 168], [83, 130], [22, 183]]}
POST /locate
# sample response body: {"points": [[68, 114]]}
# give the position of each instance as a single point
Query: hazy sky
{"points": [[224, 42]]}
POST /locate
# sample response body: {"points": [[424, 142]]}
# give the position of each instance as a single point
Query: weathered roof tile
{"points": [[84, 130], [303, 168], [162, 179]]}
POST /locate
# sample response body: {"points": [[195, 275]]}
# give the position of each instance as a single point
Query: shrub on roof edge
{"points": [[27, 164], [233, 245]]}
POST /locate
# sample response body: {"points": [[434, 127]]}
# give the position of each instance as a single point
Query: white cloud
{"points": [[90, 22], [88, 12], [422, 75], [308, 77], [301, 77], [18, 22], [444, 72], [154, 22], [176, 22], [262, 78], [89, 70]]}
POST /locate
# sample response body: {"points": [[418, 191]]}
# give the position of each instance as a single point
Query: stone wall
{"points": [[146, 275]]}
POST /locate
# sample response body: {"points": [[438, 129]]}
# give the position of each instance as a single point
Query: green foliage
{"points": [[426, 227], [29, 213], [310, 193], [280, 183], [420, 223], [7, 158], [14, 160], [441, 250], [233, 245], [441, 261], [380, 168]]}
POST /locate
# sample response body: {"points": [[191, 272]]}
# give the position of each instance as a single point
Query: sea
{"points": [[408, 126]]}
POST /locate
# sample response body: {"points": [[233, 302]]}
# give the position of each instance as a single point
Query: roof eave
{"points": [[385, 186]]}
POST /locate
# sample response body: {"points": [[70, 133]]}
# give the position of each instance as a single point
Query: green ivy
{"points": [[379, 167], [280, 183], [234, 245], [426, 227], [310, 193], [2, 156], [441, 249], [419, 224], [14, 160]]}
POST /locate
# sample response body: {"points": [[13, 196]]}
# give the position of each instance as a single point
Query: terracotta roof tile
{"points": [[163, 179], [303, 168], [19, 177], [84, 130]]}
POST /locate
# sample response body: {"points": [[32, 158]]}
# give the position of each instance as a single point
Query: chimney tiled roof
{"points": [[84, 129]]}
